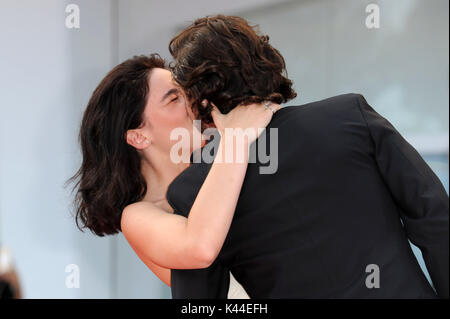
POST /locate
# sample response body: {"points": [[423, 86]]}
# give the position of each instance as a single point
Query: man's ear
{"points": [[137, 140]]}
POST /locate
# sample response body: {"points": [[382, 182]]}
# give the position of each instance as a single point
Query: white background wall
{"points": [[45, 81], [47, 73], [401, 68]]}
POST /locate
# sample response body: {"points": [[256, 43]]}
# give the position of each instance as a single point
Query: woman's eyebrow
{"points": [[170, 92]]}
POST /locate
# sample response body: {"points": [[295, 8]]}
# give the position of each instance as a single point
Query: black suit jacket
{"points": [[348, 194]]}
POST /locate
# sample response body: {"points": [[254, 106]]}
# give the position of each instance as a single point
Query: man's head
{"points": [[224, 60]]}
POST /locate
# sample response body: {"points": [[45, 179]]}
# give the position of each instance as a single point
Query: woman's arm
{"points": [[173, 241], [162, 273]]}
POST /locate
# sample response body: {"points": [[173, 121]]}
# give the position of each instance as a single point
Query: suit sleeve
{"points": [[417, 190], [208, 283]]}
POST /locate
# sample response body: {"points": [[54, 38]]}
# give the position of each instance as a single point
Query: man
{"points": [[334, 219]]}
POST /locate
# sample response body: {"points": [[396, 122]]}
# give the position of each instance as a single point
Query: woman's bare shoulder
{"points": [[134, 212], [138, 207]]}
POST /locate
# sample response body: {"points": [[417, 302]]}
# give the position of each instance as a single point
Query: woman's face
{"points": [[167, 109]]}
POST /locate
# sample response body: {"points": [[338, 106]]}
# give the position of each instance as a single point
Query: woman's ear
{"points": [[137, 140]]}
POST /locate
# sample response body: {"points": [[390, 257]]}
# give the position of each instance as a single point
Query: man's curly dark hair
{"points": [[226, 61]]}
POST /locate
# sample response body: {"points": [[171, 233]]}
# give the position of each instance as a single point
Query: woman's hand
{"points": [[252, 116]]}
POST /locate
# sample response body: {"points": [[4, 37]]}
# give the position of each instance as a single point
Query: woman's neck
{"points": [[158, 176]]}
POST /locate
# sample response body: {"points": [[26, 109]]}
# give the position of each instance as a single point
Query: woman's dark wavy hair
{"points": [[224, 60], [110, 174]]}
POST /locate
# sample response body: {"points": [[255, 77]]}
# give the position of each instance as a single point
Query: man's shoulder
{"points": [[323, 112], [338, 101]]}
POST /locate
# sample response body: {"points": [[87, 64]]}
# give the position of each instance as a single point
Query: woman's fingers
{"points": [[272, 107], [275, 107]]}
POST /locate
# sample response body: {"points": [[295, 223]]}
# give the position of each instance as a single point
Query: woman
{"points": [[127, 167]]}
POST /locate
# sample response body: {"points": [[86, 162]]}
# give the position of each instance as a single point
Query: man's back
{"points": [[327, 223]]}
